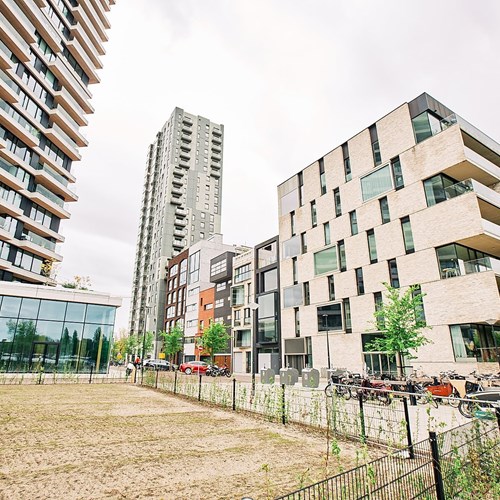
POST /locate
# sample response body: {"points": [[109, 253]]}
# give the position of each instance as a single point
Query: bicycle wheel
{"points": [[466, 408], [329, 390], [454, 400]]}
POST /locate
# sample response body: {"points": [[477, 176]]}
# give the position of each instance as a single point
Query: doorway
{"points": [[44, 355]]}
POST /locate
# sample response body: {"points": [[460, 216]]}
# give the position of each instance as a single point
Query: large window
{"points": [[458, 260], [425, 125], [242, 273], [473, 342], [376, 183], [242, 338], [267, 318], [238, 295], [292, 296], [325, 261], [291, 247], [194, 268], [267, 255], [329, 317], [269, 280], [441, 188]]}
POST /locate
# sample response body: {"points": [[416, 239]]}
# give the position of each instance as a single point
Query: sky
{"points": [[289, 79]]}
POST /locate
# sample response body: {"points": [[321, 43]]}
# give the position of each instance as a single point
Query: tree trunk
{"points": [[399, 365]]}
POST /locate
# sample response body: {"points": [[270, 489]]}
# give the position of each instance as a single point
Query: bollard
{"points": [[283, 405], [91, 369], [199, 388], [175, 382], [234, 394]]}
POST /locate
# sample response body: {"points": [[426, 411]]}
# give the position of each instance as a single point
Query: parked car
{"points": [[159, 364], [193, 366]]}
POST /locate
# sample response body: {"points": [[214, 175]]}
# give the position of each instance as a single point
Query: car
{"points": [[193, 366], [159, 364]]}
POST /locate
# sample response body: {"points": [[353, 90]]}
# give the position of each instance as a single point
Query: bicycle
{"points": [[332, 386]]}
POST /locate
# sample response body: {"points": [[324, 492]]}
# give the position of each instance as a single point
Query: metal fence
{"points": [[462, 461], [42, 378]]}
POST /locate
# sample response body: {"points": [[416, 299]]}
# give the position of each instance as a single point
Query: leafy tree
{"points": [[131, 343], [172, 342], [401, 320], [145, 344], [119, 349], [214, 339]]}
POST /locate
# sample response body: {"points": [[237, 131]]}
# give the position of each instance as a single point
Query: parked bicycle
{"points": [[375, 391], [479, 399], [338, 377]]}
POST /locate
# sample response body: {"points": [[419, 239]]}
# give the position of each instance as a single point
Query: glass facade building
{"points": [[54, 335]]}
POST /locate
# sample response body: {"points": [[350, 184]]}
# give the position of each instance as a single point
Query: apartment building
{"points": [[50, 53], [414, 199], [181, 205]]}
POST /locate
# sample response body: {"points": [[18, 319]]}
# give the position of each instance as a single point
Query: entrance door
{"points": [[44, 355]]}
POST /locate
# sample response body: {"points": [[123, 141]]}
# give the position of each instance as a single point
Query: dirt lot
{"points": [[120, 441]]}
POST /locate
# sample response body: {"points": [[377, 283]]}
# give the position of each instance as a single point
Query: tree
{"points": [[145, 345], [400, 319], [172, 342], [214, 339], [78, 283]]}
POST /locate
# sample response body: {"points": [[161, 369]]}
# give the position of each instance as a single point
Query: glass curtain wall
{"points": [[60, 336]]}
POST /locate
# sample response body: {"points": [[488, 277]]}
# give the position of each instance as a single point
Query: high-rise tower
{"points": [[181, 204], [49, 53]]}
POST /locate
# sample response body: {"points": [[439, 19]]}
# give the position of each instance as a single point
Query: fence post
{"points": [[408, 429], [199, 388], [436, 465], [175, 382], [40, 378], [234, 394], [156, 380], [91, 369], [497, 411], [135, 375], [411, 389], [283, 405], [362, 416]]}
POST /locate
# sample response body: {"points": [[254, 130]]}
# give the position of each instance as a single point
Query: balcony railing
{"points": [[15, 171], [49, 195], [10, 196], [53, 173], [39, 240], [20, 119], [462, 268], [9, 82]]}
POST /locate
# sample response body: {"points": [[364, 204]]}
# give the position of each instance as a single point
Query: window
{"points": [[294, 270], [314, 215], [354, 222], [419, 311], [303, 242], [360, 283], [237, 296], [441, 188], [338, 205], [331, 288], [291, 247], [342, 256], [347, 162], [322, 177], [194, 291], [384, 210], [425, 125], [377, 159], [379, 303], [325, 261], [326, 231], [218, 267], [207, 307], [27, 260], [267, 325], [269, 280], [372, 246], [292, 296], [376, 183], [267, 255], [221, 286], [39, 214], [297, 322], [307, 293], [329, 317], [475, 342], [393, 273], [300, 178], [407, 235], [219, 303], [237, 317], [347, 315], [247, 313], [397, 173], [458, 260], [194, 267], [243, 338], [292, 223], [242, 273]]}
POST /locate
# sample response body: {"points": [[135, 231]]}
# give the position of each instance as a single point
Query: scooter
{"points": [[483, 399]]}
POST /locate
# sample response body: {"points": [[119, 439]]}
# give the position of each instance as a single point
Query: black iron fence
{"points": [[463, 462]]}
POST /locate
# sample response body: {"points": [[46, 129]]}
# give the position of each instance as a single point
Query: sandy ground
{"points": [[125, 442]]}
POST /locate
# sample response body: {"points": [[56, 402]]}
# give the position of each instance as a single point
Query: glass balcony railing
{"points": [[65, 136], [482, 265], [39, 240], [69, 118], [20, 119], [10, 196], [53, 173], [458, 189], [49, 195], [15, 171], [9, 82]]}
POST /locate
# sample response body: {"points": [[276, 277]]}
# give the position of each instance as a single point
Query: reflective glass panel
{"points": [[104, 315], [325, 261], [52, 309]]}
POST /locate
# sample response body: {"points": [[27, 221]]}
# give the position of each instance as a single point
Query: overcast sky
{"points": [[289, 79]]}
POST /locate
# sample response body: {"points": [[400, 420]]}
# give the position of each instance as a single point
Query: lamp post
{"points": [[325, 324], [145, 309]]}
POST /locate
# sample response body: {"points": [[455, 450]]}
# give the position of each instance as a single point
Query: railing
{"points": [[49, 195], [58, 177], [39, 240], [458, 189], [65, 136], [15, 171], [20, 119], [482, 265], [9, 82], [10, 196]]}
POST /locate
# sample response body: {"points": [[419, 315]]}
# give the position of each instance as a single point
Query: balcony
{"points": [[462, 268], [181, 212], [179, 233], [185, 148], [49, 200], [77, 31], [56, 135], [216, 140], [14, 41], [186, 130], [215, 166], [216, 132], [63, 97], [39, 240], [186, 139], [18, 125], [82, 17], [215, 156], [180, 223], [178, 244], [217, 149], [83, 59], [177, 182], [175, 191], [9, 90], [54, 182], [183, 165], [21, 181], [215, 173], [184, 156], [175, 200]]}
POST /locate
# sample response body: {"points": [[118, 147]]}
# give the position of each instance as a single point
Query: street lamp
{"points": [[325, 324], [145, 308]]}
